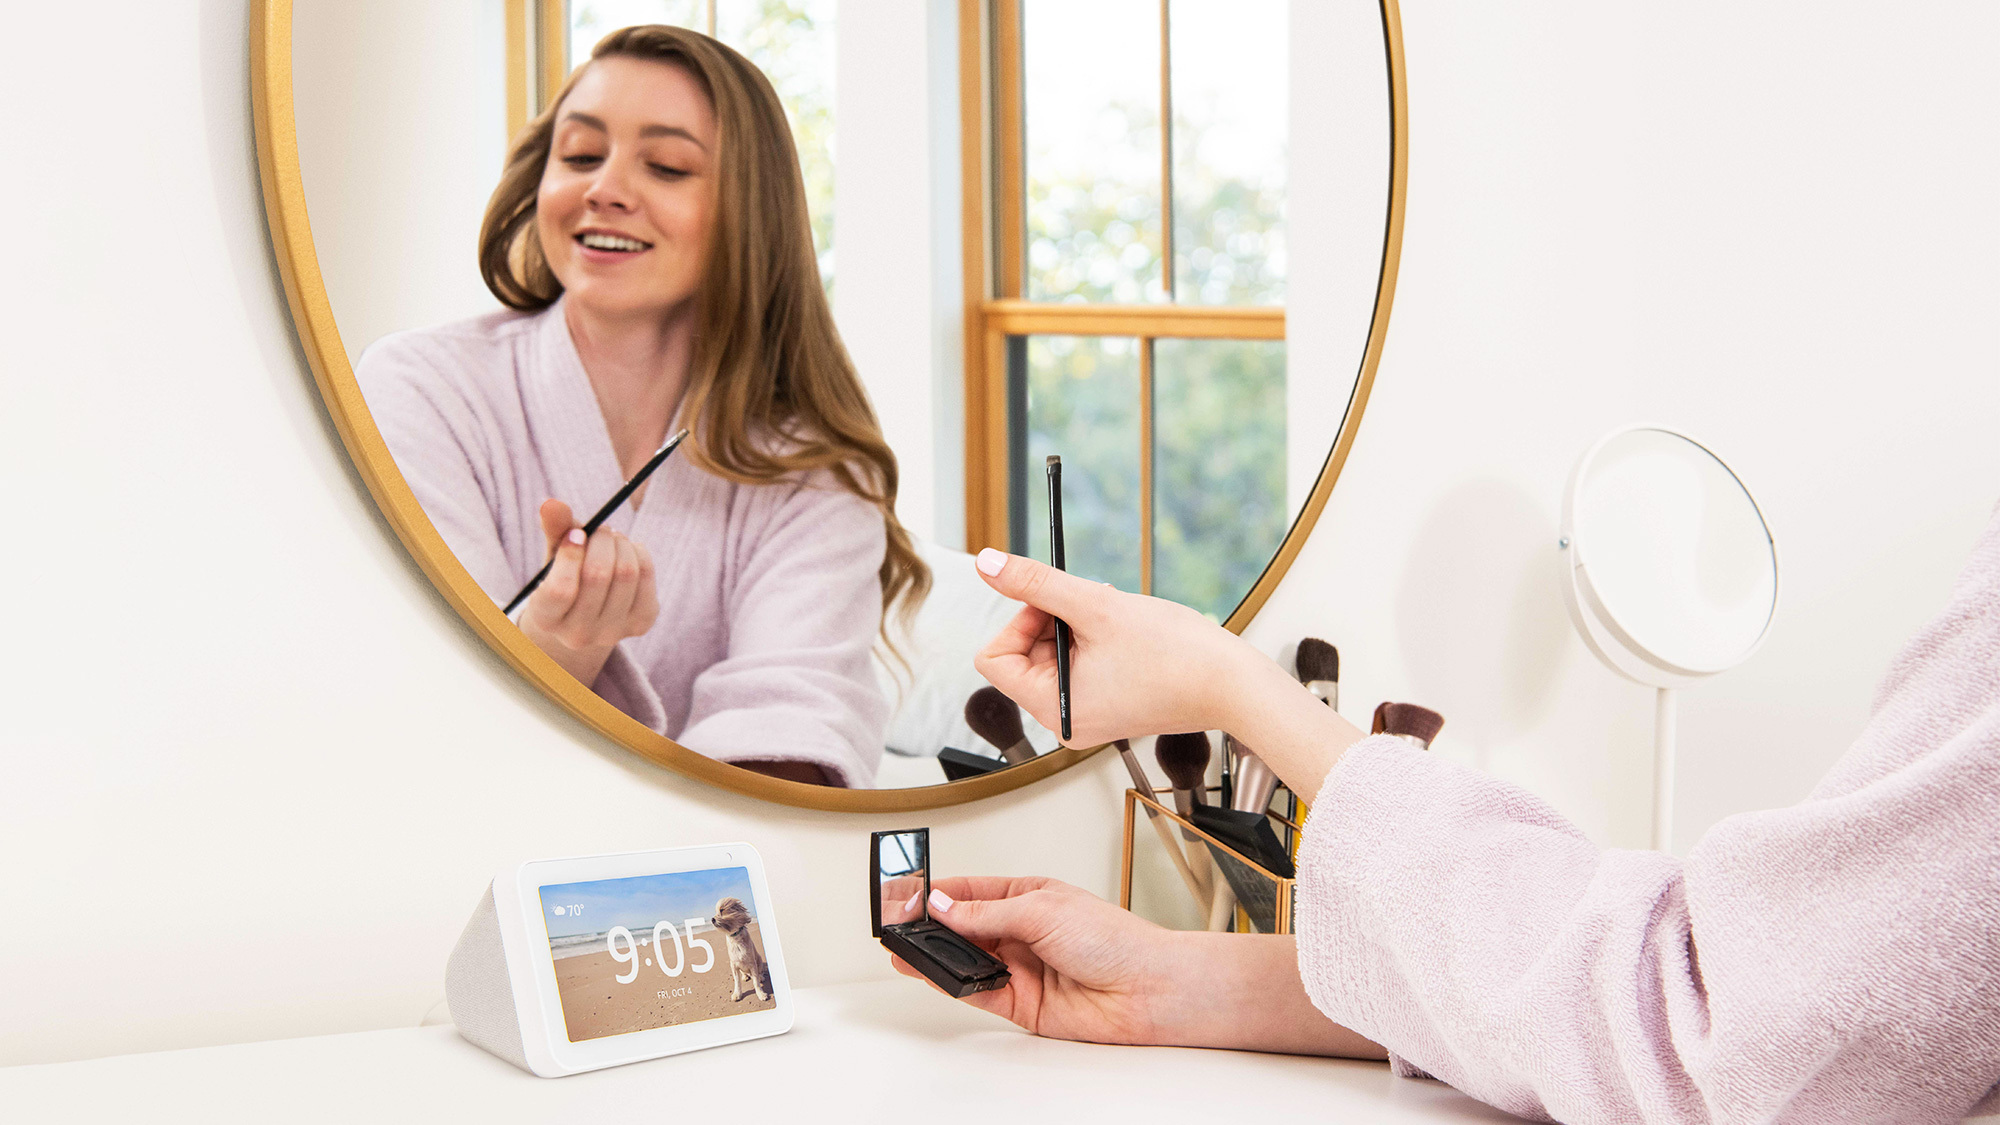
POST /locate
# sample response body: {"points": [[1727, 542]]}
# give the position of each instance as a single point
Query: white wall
{"points": [[896, 195], [256, 773], [1769, 224], [402, 127]]}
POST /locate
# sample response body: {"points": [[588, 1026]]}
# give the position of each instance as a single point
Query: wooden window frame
{"points": [[538, 56], [994, 187]]}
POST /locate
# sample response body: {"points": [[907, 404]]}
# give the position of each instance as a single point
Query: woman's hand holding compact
{"points": [[599, 591], [1149, 666], [1081, 968]]}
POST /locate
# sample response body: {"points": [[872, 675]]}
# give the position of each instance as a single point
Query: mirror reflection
{"points": [[902, 877], [657, 278], [529, 317]]}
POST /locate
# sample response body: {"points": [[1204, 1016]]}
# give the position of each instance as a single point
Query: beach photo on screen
{"points": [[640, 953]]}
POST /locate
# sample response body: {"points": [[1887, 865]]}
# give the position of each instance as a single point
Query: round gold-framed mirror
{"points": [[1004, 322]]}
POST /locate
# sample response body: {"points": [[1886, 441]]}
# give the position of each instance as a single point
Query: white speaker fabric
{"points": [[478, 989]]}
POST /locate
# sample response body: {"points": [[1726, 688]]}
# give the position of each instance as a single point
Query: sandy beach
{"points": [[595, 1004]]}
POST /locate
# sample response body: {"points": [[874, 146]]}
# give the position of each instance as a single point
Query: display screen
{"points": [[655, 951]]}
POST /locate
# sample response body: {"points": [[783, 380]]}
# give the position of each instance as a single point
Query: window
{"points": [[1125, 286], [791, 41]]}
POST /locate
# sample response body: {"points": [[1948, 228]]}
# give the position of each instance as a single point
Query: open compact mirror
{"points": [[1076, 285], [1673, 573], [900, 885]]}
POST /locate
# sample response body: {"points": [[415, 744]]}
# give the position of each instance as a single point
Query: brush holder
{"points": [[1264, 896]]}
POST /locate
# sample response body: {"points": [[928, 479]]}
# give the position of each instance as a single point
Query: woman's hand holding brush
{"points": [[1147, 666], [599, 591]]}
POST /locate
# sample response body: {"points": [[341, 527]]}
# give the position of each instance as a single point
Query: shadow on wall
{"points": [[1480, 615]]}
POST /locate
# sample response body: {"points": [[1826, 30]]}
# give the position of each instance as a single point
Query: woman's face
{"points": [[628, 196]]}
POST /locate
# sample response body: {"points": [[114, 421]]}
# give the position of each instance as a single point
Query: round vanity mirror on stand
{"points": [[1673, 573]]}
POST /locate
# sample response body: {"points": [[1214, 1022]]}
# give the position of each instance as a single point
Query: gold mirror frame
{"points": [[312, 315]]}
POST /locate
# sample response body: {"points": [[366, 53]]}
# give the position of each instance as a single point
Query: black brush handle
{"points": [[623, 494], [1056, 560]]}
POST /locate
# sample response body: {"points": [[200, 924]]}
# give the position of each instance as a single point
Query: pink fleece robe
{"points": [[769, 595], [1838, 960]]}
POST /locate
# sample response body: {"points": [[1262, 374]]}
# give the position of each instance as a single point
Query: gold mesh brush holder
{"points": [[1264, 898]]}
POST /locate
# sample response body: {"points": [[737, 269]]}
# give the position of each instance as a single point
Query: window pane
{"points": [[1229, 151], [591, 20], [791, 41], [1083, 403], [1091, 87], [1219, 508]]}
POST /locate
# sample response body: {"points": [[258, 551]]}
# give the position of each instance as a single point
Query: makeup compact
{"points": [[899, 888], [961, 764]]}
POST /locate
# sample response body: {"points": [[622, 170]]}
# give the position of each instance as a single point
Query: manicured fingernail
{"points": [[577, 536], [941, 902], [990, 562]]}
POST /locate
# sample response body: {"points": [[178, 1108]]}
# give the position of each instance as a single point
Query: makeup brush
{"points": [[1415, 724], [1184, 759], [1058, 559], [1255, 781], [1144, 785], [624, 493], [1318, 664], [995, 718]]}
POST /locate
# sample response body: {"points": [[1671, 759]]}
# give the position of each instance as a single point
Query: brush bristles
{"points": [[1184, 759], [1317, 660], [995, 718], [1052, 459], [1410, 720]]}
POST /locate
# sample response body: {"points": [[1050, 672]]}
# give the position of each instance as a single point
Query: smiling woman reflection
{"points": [[650, 230]]}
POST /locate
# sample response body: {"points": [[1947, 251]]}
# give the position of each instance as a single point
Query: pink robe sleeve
{"points": [[804, 608], [1838, 960], [453, 454]]}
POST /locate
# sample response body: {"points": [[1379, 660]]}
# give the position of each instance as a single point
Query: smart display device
{"points": [[576, 964]]}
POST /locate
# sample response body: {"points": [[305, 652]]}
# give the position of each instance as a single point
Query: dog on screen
{"points": [[747, 970]]}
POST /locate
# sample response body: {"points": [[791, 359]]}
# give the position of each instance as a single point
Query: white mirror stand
{"points": [[1673, 573]]}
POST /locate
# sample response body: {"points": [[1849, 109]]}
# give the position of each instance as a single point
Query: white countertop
{"points": [[885, 1050]]}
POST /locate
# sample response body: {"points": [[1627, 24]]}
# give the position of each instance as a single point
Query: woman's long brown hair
{"points": [[767, 356]]}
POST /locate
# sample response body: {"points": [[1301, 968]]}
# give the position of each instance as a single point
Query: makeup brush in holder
{"points": [[1411, 722], [997, 719], [1144, 784], [1184, 759], [1318, 665], [1255, 781]]}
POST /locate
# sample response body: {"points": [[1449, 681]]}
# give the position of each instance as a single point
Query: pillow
{"points": [[928, 697]]}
